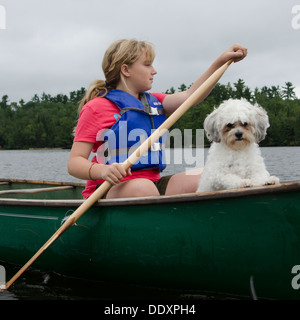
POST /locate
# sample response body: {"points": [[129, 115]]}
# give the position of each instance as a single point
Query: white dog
{"points": [[234, 159]]}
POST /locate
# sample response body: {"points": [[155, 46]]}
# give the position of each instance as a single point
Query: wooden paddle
{"points": [[202, 90]]}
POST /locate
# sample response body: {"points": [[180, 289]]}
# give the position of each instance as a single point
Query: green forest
{"points": [[47, 121]]}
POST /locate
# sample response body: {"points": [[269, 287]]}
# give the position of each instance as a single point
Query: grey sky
{"points": [[57, 46]]}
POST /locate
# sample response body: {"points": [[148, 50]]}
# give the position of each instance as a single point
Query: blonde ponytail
{"points": [[96, 88]]}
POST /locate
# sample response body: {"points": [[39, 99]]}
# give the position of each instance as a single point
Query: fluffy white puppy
{"points": [[234, 159]]}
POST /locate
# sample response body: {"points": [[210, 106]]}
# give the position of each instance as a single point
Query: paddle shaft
{"points": [[198, 94]]}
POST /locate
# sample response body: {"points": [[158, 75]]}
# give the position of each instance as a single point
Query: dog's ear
{"points": [[261, 123], [210, 127]]}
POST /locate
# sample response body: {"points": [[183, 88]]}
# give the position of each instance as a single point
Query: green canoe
{"points": [[210, 242]]}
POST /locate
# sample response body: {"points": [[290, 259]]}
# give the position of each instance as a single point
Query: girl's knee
{"points": [[185, 182], [142, 188], [133, 188]]}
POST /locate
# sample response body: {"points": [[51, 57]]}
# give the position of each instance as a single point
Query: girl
{"points": [[121, 99]]}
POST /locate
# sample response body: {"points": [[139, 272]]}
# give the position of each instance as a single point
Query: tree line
{"points": [[281, 103], [48, 121]]}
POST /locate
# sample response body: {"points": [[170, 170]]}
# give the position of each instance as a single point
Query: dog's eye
{"points": [[245, 124], [229, 125]]}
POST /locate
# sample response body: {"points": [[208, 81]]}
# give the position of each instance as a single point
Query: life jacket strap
{"points": [[108, 152], [147, 109]]}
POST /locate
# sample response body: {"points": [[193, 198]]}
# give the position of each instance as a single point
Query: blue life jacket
{"points": [[139, 118]]}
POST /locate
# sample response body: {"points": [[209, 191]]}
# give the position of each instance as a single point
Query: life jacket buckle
{"points": [[156, 146], [153, 112]]}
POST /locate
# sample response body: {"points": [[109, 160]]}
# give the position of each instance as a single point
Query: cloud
{"points": [[57, 46]]}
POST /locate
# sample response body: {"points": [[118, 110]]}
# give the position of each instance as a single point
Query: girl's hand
{"points": [[114, 173], [237, 52]]}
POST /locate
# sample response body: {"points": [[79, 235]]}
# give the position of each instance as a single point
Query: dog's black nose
{"points": [[239, 135]]}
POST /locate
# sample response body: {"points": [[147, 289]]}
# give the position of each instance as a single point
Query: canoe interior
{"points": [[74, 192], [58, 190]]}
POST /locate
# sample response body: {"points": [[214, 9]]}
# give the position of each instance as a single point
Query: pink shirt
{"points": [[98, 114]]}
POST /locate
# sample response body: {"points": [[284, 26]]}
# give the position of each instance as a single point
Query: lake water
{"points": [[51, 165]]}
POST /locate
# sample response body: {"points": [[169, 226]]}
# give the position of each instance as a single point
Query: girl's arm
{"points": [[173, 101], [80, 167]]}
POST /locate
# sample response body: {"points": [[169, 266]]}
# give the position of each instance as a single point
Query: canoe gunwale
{"points": [[46, 182], [235, 193], [37, 190]]}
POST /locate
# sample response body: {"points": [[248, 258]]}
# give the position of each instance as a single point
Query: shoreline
{"points": [[193, 147]]}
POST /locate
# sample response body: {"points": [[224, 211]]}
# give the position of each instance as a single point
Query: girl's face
{"points": [[139, 76]]}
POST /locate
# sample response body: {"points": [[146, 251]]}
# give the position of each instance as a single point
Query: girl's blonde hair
{"points": [[125, 51]]}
